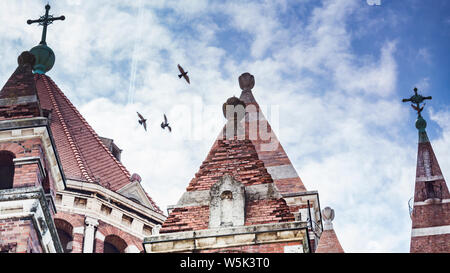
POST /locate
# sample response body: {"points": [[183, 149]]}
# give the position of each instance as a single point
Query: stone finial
{"points": [[328, 217], [234, 102], [136, 177], [26, 58], [246, 81]]}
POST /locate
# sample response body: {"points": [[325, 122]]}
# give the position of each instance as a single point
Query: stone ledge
{"points": [[226, 237]]}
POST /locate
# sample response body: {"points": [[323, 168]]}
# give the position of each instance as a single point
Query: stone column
{"points": [[89, 234]]}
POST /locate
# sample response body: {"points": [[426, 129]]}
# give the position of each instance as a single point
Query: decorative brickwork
{"points": [[235, 157]]}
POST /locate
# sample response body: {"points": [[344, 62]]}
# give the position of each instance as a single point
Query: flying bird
{"points": [[142, 121], [165, 124], [183, 74]]}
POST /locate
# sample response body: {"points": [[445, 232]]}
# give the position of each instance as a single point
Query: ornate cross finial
{"points": [[45, 21], [417, 99]]}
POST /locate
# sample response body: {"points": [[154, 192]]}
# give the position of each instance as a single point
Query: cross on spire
{"points": [[45, 21], [417, 99]]}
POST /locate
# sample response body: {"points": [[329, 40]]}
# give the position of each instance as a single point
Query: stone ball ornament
{"points": [[328, 217], [246, 81], [26, 58], [136, 177], [235, 103], [421, 124], [45, 58]]}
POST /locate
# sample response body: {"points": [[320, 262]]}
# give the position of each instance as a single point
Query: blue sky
{"points": [[335, 71]]}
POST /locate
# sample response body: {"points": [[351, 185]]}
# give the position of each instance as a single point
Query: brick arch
{"points": [[7, 169], [77, 222], [108, 230], [64, 225], [65, 233], [116, 241]]}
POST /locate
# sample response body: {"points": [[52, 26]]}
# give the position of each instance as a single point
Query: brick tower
{"points": [[431, 209], [62, 187], [246, 197]]}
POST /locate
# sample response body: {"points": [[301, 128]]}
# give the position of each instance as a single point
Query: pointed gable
{"points": [[231, 188]]}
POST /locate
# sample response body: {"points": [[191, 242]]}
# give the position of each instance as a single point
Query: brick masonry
{"points": [[21, 233]]}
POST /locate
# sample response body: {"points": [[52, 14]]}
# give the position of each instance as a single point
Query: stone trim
{"points": [[23, 129], [429, 178], [425, 204], [430, 231], [282, 171], [30, 203], [93, 209], [226, 237], [253, 192], [95, 188]]}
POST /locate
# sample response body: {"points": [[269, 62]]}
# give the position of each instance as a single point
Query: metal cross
{"points": [[45, 21], [417, 99]]}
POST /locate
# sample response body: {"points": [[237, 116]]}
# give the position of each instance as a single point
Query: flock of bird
{"points": [[165, 124]]}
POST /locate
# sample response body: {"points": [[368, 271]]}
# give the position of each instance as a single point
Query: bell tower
{"points": [[431, 208], [30, 170]]}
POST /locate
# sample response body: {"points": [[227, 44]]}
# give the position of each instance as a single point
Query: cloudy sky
{"points": [[331, 73]]}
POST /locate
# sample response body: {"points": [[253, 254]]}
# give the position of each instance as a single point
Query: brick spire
{"points": [[267, 145], [18, 98], [328, 242], [234, 156], [431, 209]]}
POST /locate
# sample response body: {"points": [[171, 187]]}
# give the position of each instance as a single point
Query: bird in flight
{"points": [[183, 74], [142, 121], [165, 124]]}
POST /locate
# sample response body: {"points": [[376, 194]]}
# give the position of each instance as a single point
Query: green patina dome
{"points": [[421, 124], [45, 58]]}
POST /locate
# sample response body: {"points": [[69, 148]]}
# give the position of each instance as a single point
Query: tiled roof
{"points": [[83, 155]]}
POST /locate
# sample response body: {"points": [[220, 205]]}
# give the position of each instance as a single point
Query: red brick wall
{"points": [[267, 211], [21, 232], [259, 248], [184, 219], [431, 244], [431, 215], [27, 175]]}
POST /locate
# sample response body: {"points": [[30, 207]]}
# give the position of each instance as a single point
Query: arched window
{"points": [[6, 170], [114, 244], [65, 231]]}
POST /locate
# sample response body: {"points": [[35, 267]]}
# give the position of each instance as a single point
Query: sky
{"points": [[330, 74]]}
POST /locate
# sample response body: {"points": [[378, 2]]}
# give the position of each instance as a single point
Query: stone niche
{"points": [[227, 203]]}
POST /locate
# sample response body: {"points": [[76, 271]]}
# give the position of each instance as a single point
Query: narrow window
{"points": [[6, 170]]}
